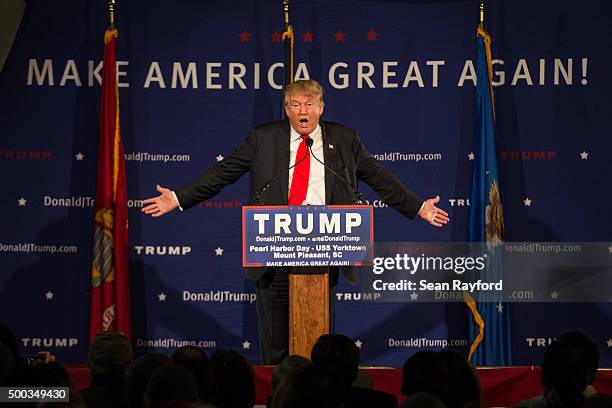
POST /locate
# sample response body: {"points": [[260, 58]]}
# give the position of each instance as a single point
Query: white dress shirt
{"points": [[315, 195]]}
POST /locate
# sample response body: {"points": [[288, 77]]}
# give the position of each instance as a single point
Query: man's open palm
{"points": [[160, 205]]}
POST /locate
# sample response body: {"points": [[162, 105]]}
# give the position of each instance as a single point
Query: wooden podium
{"points": [[308, 310], [288, 236]]}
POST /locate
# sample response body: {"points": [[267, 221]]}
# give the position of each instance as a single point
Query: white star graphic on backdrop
{"points": [[218, 251], [246, 345], [610, 249], [471, 156], [358, 343], [554, 294], [414, 296], [79, 156], [527, 202], [500, 307], [22, 202], [219, 158], [584, 155], [162, 297], [49, 295], [609, 343]]}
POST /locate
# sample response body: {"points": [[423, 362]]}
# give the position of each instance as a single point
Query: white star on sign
{"points": [[414, 296], [500, 307], [554, 294], [49, 295], [471, 156], [22, 202], [584, 155], [358, 343], [79, 156], [162, 297], [609, 342], [219, 158], [218, 251], [610, 249], [246, 345], [527, 202]]}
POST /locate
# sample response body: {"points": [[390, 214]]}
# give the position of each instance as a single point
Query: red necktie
{"points": [[301, 172]]}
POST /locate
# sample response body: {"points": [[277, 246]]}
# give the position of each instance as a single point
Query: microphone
{"points": [[357, 196], [256, 199]]}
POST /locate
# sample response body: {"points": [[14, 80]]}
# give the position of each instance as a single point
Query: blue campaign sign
{"points": [[335, 235]]}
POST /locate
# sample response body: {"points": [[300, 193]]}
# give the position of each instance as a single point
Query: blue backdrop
{"points": [[196, 76]]}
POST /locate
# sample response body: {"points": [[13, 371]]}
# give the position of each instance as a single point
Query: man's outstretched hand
{"points": [[432, 214], [160, 205]]}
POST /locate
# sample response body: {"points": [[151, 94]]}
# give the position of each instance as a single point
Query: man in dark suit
{"points": [[272, 148]]}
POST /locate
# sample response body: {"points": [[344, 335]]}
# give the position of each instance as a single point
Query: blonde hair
{"points": [[308, 87]]}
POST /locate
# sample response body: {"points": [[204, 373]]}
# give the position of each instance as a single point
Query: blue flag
{"points": [[490, 325]]}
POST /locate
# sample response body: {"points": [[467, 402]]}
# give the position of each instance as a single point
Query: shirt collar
{"points": [[315, 135]]}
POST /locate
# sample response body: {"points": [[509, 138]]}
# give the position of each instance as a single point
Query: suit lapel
{"points": [[282, 162], [330, 158]]}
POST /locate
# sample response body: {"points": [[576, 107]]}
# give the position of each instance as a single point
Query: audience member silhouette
{"points": [[138, 374], [568, 371], [195, 360], [425, 372], [313, 386], [422, 400], [338, 354], [171, 386], [110, 353], [231, 381], [463, 385], [7, 364]]}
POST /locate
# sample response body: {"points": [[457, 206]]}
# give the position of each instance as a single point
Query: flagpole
{"points": [[288, 34], [111, 14], [288, 48], [481, 25]]}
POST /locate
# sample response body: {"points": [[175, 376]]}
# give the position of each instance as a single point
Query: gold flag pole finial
{"points": [[111, 13], [286, 12], [481, 25]]}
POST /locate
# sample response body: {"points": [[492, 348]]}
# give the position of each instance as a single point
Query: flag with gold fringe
{"points": [[110, 290], [490, 322]]}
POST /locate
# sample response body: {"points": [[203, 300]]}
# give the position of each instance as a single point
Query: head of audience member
{"points": [[7, 363], [8, 338], [313, 386], [110, 353], [463, 381], [195, 360], [425, 372], [569, 366], [338, 353], [138, 374], [231, 381], [579, 351], [170, 385], [422, 400], [289, 365], [41, 375]]}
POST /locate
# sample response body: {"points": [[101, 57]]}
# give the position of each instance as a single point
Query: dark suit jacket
{"points": [[265, 154]]}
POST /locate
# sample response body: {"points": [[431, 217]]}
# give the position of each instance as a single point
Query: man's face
{"points": [[304, 112]]}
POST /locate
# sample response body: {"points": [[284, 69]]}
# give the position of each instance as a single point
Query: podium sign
{"points": [[307, 236]]}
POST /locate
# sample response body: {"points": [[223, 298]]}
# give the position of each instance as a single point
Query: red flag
{"points": [[110, 289]]}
